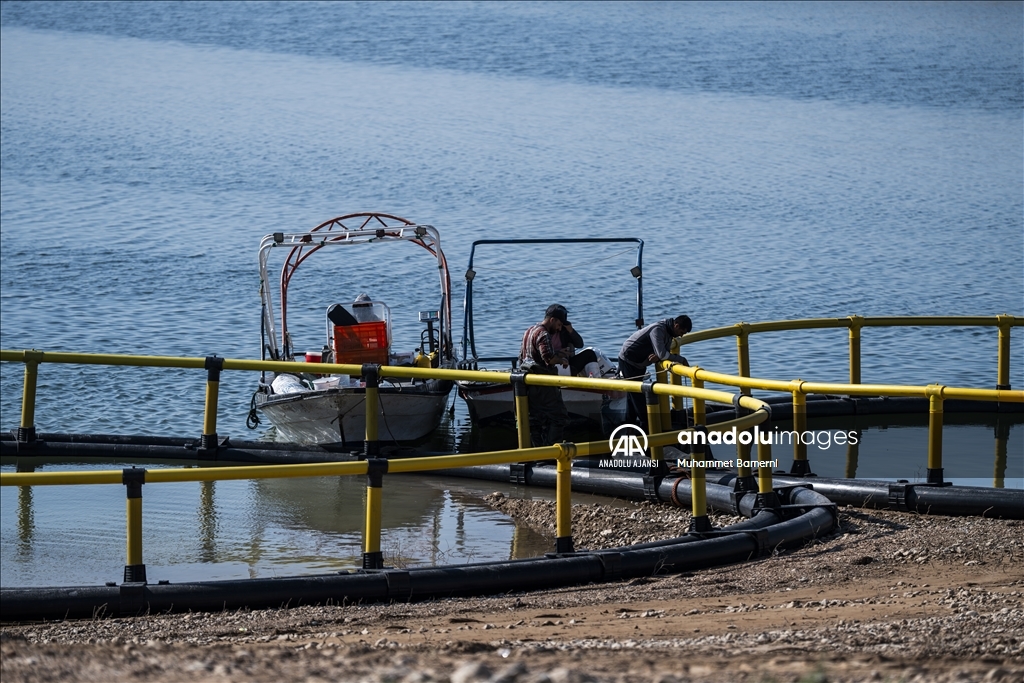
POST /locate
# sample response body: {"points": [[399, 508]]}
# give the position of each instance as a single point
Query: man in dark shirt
{"points": [[646, 346], [548, 415]]}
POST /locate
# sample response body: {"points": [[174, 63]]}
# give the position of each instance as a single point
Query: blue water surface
{"points": [[780, 160]]}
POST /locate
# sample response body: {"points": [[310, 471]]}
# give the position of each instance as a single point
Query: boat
{"points": [[313, 407], [493, 402]]}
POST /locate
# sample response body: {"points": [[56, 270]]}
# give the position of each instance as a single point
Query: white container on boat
{"points": [[322, 383]]}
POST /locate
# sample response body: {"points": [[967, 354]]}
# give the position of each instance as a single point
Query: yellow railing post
{"points": [[677, 401], [371, 378], [522, 407], [935, 400], [852, 455], [698, 480], [563, 498], [764, 472], [743, 352], [699, 409], [663, 400], [856, 322], [208, 440], [766, 496], [999, 468], [27, 430], [653, 423], [134, 568], [744, 476], [1003, 367], [801, 466], [376, 468]]}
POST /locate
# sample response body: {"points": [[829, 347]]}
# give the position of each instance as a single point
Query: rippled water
{"points": [[779, 160]]}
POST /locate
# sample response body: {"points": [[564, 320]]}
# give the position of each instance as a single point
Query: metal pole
{"points": [[653, 419], [371, 446], [852, 456], [27, 430], [373, 558], [800, 465], [214, 365], [1003, 368], [563, 499], [934, 433], [677, 401], [856, 322], [764, 472], [134, 569], [698, 480], [665, 420], [999, 468], [743, 353], [522, 407]]}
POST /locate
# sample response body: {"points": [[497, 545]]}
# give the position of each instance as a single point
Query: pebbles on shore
{"points": [[889, 595]]}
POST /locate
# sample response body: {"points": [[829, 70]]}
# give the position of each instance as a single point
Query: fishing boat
{"points": [[493, 402], [310, 406]]}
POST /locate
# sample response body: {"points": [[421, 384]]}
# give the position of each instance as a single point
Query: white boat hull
{"points": [[495, 402], [337, 415]]}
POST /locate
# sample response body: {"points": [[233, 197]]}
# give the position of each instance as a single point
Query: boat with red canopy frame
{"points": [[308, 407]]}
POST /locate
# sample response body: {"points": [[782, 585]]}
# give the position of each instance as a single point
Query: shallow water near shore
{"points": [[779, 161]]}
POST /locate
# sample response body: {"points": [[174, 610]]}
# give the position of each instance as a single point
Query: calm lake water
{"points": [[779, 161]]}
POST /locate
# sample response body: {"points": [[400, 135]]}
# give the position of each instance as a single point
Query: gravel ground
{"points": [[889, 596]]}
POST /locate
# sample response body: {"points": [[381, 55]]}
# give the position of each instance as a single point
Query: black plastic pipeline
{"points": [[975, 501], [147, 440], [734, 544], [253, 452]]}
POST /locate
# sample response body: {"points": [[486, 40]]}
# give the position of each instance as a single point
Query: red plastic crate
{"points": [[362, 343]]}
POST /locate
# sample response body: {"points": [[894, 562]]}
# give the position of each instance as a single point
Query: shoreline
{"points": [[890, 595]]}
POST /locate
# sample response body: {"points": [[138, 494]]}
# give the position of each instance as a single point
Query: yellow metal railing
{"points": [[800, 389], [855, 324], [659, 395], [374, 468]]}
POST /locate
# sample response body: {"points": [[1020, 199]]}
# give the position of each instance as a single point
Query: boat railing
{"points": [[658, 392]]}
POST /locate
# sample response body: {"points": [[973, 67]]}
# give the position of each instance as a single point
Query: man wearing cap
{"points": [[548, 415], [645, 346], [567, 340]]}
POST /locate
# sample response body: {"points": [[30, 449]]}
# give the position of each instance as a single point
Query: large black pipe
{"points": [[945, 500], [253, 452], [688, 553], [972, 501]]}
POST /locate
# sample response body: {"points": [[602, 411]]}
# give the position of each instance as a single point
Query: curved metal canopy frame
{"points": [[364, 228]]}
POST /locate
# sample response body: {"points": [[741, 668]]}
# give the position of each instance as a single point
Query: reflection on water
{"points": [[283, 527], [272, 527], [807, 181], [975, 448]]}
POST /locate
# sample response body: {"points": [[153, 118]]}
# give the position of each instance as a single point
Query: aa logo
{"points": [[628, 441]]}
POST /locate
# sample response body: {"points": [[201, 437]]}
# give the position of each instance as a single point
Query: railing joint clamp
{"points": [[650, 398], [376, 468], [132, 594], [213, 364], [133, 478], [651, 484], [518, 472]]}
